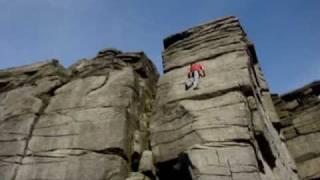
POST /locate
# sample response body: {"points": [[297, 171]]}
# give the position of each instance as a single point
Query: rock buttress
{"points": [[225, 129], [299, 111], [86, 122]]}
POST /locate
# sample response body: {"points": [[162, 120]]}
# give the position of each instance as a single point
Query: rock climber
{"points": [[195, 73]]}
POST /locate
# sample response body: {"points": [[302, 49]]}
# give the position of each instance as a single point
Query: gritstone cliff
{"points": [[113, 118], [76, 123], [299, 111]]}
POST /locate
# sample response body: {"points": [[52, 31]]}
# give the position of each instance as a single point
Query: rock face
{"points": [[111, 118], [225, 129], [300, 126], [85, 122]]}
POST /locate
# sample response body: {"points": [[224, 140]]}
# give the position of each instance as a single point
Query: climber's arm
{"points": [[189, 74], [203, 73]]}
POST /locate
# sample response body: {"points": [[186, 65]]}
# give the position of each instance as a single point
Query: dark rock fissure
{"points": [[277, 126], [150, 174], [172, 39], [30, 73], [114, 151], [315, 179], [3, 85], [266, 151], [135, 160], [175, 169]]}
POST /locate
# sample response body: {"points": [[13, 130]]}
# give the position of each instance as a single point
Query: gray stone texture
{"points": [[300, 127], [76, 123], [112, 118], [226, 127]]}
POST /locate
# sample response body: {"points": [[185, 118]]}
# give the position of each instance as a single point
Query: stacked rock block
{"points": [[299, 111], [86, 122], [224, 130]]}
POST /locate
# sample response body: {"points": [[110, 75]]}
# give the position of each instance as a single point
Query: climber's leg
{"points": [[189, 83], [196, 79]]}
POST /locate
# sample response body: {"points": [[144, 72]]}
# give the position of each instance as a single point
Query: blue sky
{"points": [[286, 33]]}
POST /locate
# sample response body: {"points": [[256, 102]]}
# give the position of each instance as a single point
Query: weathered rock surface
{"points": [[110, 118], [225, 129], [76, 123], [300, 126]]}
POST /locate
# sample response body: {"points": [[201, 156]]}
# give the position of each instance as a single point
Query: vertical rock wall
{"points": [[299, 111], [110, 118], [86, 122], [225, 129]]}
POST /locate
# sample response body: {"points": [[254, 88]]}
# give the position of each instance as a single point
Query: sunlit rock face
{"points": [[85, 122], [112, 118], [299, 111], [224, 130]]}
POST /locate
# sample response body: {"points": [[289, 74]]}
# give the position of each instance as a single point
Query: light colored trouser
{"points": [[194, 80]]}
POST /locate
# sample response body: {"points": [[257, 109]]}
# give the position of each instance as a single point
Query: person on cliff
{"points": [[196, 72]]}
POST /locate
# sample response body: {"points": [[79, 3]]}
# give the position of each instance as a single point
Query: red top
{"points": [[196, 67]]}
